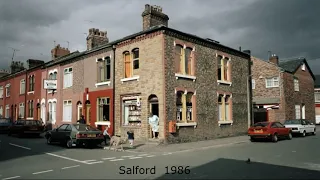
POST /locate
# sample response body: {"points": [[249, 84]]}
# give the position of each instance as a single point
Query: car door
{"points": [[283, 131], [67, 131], [61, 133], [309, 126], [56, 133], [304, 126], [274, 128]]}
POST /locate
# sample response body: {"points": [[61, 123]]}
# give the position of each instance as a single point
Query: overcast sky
{"points": [[288, 28]]}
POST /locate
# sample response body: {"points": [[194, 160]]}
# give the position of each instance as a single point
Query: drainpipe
{"points": [[249, 91], [25, 95], [113, 88]]}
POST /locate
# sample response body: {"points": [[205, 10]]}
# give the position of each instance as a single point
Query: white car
{"points": [[301, 126]]}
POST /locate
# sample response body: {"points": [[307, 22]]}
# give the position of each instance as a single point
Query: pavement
{"points": [[32, 158]]}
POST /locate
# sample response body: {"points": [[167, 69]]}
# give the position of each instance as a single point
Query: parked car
{"points": [[5, 124], [22, 127], [301, 127], [74, 135], [269, 130]]}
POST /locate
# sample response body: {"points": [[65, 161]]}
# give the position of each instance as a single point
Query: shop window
{"points": [[131, 111]]}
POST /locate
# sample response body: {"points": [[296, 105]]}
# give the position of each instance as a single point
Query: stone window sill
{"points": [[103, 83], [30, 92], [224, 82], [105, 123], [134, 78], [225, 122], [177, 75], [185, 124], [29, 118]]}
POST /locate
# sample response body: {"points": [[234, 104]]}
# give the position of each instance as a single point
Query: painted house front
{"points": [[187, 81], [317, 98]]}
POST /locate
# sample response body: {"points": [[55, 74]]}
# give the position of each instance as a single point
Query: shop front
{"points": [[98, 109]]}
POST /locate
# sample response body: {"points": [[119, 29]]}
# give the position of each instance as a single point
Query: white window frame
{"points": [[7, 111], [303, 111], [67, 77], [21, 109], [100, 102], [297, 111], [22, 86], [67, 111], [274, 82], [253, 84], [1, 91], [303, 67], [296, 84], [8, 87]]}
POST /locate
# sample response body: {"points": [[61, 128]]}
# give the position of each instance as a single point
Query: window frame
{"points": [[68, 77], [21, 106], [1, 92], [182, 109], [31, 83], [8, 89], [296, 84], [127, 60], [184, 64], [22, 86], [297, 109], [273, 80], [67, 104], [100, 106], [30, 109], [104, 62], [224, 112], [317, 96], [135, 59], [7, 111], [130, 103]]}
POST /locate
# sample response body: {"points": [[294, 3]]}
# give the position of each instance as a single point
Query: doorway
{"points": [[154, 109], [38, 112]]}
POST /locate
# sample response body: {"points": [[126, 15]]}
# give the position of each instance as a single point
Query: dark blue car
{"points": [[5, 123]]}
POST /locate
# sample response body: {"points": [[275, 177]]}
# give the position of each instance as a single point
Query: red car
{"points": [[269, 130]]}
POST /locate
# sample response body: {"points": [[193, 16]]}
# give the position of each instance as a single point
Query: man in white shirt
{"points": [[106, 135]]}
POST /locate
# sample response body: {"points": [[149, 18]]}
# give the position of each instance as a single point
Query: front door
{"points": [[154, 109], [88, 114]]}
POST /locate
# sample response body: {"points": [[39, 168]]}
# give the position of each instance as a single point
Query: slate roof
{"points": [[317, 81], [292, 65]]}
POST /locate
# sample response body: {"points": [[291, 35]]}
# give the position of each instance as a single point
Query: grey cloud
{"points": [[286, 27]]}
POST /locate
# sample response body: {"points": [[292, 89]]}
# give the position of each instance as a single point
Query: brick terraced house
{"points": [[197, 87], [282, 89], [20, 91]]}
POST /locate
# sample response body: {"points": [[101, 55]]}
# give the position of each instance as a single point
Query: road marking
{"points": [[167, 154], [41, 172], [127, 156], [151, 156], [95, 162], [87, 161], [63, 157], [207, 147], [143, 154], [68, 167], [108, 158], [135, 158], [13, 177], [19, 146], [116, 159]]}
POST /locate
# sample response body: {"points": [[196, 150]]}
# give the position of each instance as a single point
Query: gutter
{"points": [[113, 88]]}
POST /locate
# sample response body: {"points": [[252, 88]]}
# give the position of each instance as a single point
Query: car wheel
{"points": [[49, 140], [69, 143], [304, 134], [290, 136], [314, 132], [275, 138]]}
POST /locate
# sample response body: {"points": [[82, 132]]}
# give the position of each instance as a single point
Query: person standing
{"points": [[154, 123], [106, 135], [130, 138], [82, 120]]}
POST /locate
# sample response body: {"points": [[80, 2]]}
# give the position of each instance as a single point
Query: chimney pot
{"points": [[153, 16], [274, 59]]}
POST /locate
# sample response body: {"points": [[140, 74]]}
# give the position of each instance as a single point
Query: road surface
{"points": [[32, 158]]}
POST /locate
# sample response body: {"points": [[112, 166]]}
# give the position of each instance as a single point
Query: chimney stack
{"points": [[153, 16], [16, 66], [96, 38], [59, 51], [274, 59], [34, 63]]}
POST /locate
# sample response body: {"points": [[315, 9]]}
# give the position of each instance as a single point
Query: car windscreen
{"points": [[4, 121], [261, 124], [33, 123], [296, 121], [83, 127]]}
